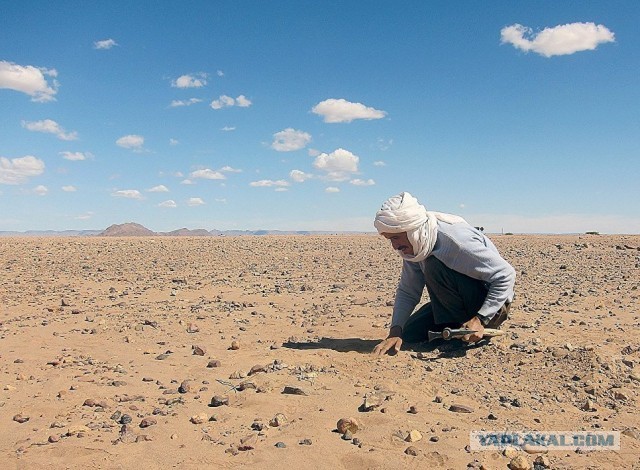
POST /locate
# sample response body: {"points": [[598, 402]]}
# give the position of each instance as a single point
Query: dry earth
{"points": [[246, 351]]}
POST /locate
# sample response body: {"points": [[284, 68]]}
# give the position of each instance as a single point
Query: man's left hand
{"points": [[473, 324]]}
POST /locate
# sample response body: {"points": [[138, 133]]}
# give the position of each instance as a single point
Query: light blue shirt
{"points": [[465, 250]]}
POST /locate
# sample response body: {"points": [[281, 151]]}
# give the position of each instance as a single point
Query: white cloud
{"points": [[220, 73], [207, 174], [197, 80], [49, 127], [158, 189], [132, 141], [338, 164], [104, 44], [228, 169], [76, 156], [341, 110], [243, 102], [168, 203], [225, 101], [195, 201], [19, 170], [187, 182], [189, 102], [289, 140], [173, 142], [128, 194], [299, 176], [221, 200], [281, 189], [69, 189], [379, 163], [41, 190], [228, 128], [559, 40], [269, 183], [29, 79], [314, 152], [332, 189], [359, 182]]}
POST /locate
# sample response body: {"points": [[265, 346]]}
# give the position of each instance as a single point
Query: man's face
{"points": [[400, 241]]}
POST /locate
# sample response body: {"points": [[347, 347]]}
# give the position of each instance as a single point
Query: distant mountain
{"points": [[132, 229], [185, 232], [129, 229]]}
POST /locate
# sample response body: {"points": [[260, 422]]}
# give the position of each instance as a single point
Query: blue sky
{"points": [[306, 115]]}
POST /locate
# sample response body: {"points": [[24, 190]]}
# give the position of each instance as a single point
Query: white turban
{"points": [[403, 213]]}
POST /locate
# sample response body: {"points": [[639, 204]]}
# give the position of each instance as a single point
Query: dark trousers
{"points": [[454, 299]]}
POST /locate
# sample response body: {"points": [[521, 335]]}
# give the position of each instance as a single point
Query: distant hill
{"points": [[129, 229], [132, 229]]}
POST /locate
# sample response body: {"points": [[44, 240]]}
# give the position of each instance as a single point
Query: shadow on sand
{"points": [[424, 351]]}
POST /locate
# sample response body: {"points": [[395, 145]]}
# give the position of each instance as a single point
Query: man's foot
{"points": [[500, 317]]}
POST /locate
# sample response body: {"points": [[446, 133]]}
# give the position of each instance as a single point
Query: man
{"points": [[468, 282]]}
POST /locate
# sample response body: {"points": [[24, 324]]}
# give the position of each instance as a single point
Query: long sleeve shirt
{"points": [[466, 250]]}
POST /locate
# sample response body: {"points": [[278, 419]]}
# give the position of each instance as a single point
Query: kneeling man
{"points": [[468, 282]]}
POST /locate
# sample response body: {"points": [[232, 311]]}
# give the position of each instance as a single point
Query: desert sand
{"points": [[232, 352]]}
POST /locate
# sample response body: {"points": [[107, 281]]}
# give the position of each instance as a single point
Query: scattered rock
{"points": [[293, 391], [519, 462], [20, 418], [146, 422], [199, 418], [198, 350], [413, 436], [413, 451], [219, 400], [456, 408], [348, 424], [278, 420]]}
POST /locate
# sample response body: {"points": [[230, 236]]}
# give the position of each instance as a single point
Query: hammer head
{"points": [[449, 333]]}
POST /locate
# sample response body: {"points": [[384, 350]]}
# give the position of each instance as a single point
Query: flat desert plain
{"points": [[246, 352]]}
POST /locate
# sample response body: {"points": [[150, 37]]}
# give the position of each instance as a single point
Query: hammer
{"points": [[451, 333]]}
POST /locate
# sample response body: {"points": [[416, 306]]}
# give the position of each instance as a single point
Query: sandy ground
{"points": [[114, 351]]}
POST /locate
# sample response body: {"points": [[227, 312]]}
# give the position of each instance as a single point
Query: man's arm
{"points": [[408, 295]]}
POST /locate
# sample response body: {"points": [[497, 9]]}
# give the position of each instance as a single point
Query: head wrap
{"points": [[403, 213]]}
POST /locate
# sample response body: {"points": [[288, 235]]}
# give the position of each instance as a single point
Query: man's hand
{"points": [[392, 344], [473, 324]]}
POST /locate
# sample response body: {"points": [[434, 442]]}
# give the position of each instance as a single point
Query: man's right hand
{"points": [[391, 345]]}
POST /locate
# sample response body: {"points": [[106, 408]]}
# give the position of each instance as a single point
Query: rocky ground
{"points": [[247, 351]]}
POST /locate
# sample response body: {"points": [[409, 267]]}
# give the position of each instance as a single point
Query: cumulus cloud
{"points": [[195, 201], [173, 142], [269, 184], [128, 194], [229, 169], [228, 128], [299, 176], [48, 126], [69, 189], [197, 80], [41, 190], [189, 102], [76, 156], [168, 203], [289, 140], [359, 182], [338, 164], [225, 101], [332, 189], [30, 80], [559, 40], [161, 188], [132, 141], [19, 170], [104, 44], [207, 174], [379, 163], [341, 110]]}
